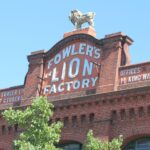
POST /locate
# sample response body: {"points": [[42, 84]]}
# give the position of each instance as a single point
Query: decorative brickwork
{"points": [[92, 85]]}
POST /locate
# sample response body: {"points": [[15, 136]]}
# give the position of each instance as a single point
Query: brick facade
{"points": [[117, 104]]}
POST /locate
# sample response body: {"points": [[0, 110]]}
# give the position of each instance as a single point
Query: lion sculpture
{"points": [[78, 18]]}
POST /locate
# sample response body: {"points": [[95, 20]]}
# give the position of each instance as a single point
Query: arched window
{"points": [[71, 146], [139, 144]]}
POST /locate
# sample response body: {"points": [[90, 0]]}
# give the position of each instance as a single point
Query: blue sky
{"points": [[31, 25]]}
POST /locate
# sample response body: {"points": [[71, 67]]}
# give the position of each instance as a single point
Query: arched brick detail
{"points": [[129, 139]]}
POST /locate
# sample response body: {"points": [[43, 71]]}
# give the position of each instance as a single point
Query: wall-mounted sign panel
{"points": [[11, 95], [74, 68], [135, 73]]}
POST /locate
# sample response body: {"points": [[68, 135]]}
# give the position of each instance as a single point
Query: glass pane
{"points": [[140, 144], [71, 147]]}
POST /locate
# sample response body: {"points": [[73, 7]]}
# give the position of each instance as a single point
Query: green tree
{"points": [[96, 144], [37, 134]]}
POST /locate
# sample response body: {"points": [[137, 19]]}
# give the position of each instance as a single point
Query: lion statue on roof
{"points": [[78, 18]]}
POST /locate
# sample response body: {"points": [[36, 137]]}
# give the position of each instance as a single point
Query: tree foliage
{"points": [[96, 144], [37, 133]]}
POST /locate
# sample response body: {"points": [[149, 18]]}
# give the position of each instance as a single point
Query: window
{"points": [[57, 119], [148, 110], [9, 129], [50, 122], [71, 146], [91, 117], [3, 129], [83, 119], [139, 144], [16, 127], [132, 113], [141, 111], [74, 121], [66, 121], [114, 114], [122, 114]]}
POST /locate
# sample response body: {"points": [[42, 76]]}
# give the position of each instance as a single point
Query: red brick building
{"points": [[92, 85]]}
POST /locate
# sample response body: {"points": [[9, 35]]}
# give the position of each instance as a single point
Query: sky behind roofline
{"points": [[28, 26]]}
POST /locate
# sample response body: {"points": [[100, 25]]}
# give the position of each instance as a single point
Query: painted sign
{"points": [[134, 74], [73, 68], [11, 95]]}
